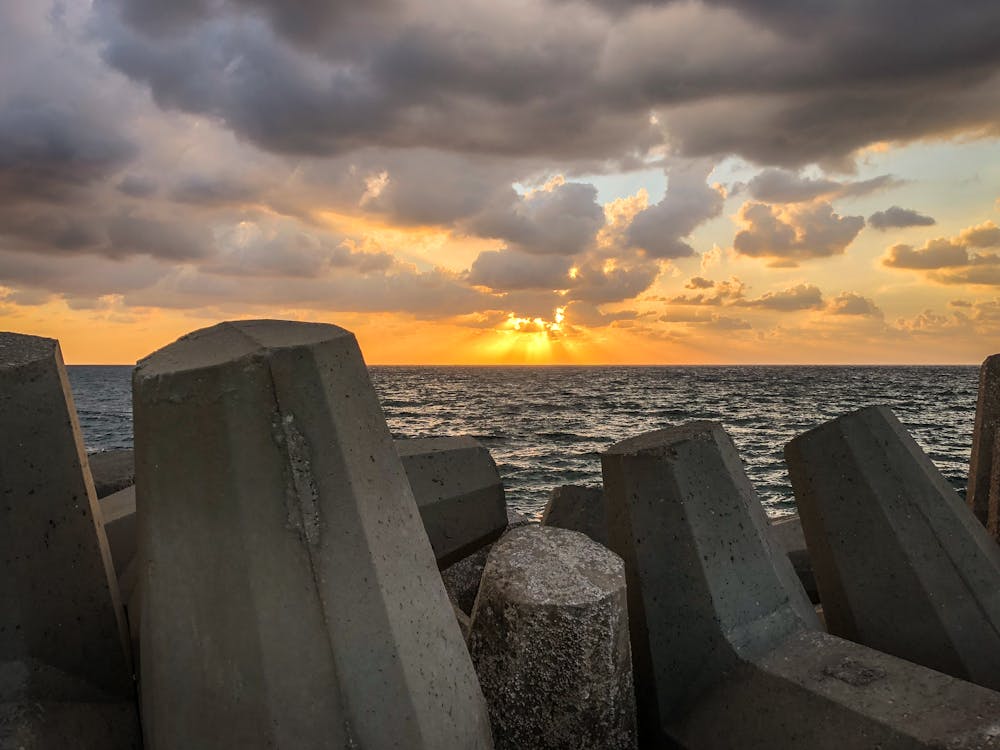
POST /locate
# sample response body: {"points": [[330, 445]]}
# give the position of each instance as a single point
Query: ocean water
{"points": [[547, 426]]}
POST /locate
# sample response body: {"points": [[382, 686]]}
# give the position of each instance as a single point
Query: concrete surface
{"points": [[787, 532], [289, 596], [902, 564], [59, 601], [112, 470], [549, 639], [458, 491], [983, 495], [118, 517], [578, 508]]}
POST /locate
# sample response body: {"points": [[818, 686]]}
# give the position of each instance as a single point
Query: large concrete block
{"points": [[724, 626], [549, 638], [458, 491], [902, 564], [984, 467], [578, 508], [289, 597], [787, 532], [43, 708], [112, 470], [118, 517], [59, 602]]}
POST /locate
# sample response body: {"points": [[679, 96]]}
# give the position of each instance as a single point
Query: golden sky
{"points": [[536, 182]]}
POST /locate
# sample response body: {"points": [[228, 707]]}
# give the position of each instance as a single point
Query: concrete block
{"points": [[112, 470], [725, 631], [787, 532], [462, 579], [289, 597], [901, 562], [59, 601], [578, 508], [515, 519], [983, 495], [458, 491], [118, 516], [549, 639], [43, 708]]}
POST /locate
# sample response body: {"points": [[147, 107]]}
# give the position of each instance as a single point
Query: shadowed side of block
{"points": [[901, 563]]}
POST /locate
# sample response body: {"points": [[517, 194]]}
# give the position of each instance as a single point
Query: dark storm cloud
{"points": [[895, 217], [49, 152], [777, 82]]}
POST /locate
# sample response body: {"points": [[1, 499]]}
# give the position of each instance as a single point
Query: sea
{"points": [[547, 426]]}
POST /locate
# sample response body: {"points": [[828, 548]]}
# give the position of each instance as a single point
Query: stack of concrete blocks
{"points": [[550, 643], [458, 492], [983, 495], [289, 595], [65, 675], [902, 564], [723, 637], [578, 508]]}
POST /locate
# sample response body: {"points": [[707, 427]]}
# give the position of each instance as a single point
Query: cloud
{"points": [[722, 292], [851, 303], [895, 217], [793, 233], [659, 230], [786, 186], [510, 269], [959, 252], [561, 218], [801, 297]]}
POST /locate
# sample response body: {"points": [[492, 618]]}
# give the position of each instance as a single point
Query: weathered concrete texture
{"points": [[787, 532], [818, 692], [983, 496], [118, 515], [578, 508], [550, 642], [902, 564], [42, 708], [59, 603], [707, 586], [289, 597], [112, 471], [515, 519], [462, 579], [725, 626], [458, 492]]}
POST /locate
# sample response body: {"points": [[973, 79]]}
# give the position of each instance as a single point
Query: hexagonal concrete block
{"points": [[721, 629], [983, 496], [902, 564], [578, 508], [289, 596], [458, 491], [549, 638], [59, 601]]}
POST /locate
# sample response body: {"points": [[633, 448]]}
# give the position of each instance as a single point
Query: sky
{"points": [[526, 181]]}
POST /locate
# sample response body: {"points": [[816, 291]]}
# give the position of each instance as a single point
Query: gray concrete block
{"points": [[462, 578], [549, 638], [902, 564], [289, 597], [787, 532], [118, 516], [43, 708], [59, 601], [983, 495], [707, 586], [112, 470], [578, 508], [725, 629], [458, 491]]}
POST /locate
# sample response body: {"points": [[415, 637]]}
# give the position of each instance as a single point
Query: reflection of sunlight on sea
{"points": [[547, 426]]}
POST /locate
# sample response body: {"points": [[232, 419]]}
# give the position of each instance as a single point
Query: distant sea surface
{"points": [[547, 426]]}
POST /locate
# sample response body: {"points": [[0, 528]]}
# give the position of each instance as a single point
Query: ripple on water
{"points": [[547, 426]]}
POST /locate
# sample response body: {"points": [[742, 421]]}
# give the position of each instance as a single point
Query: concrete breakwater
{"points": [[277, 572]]}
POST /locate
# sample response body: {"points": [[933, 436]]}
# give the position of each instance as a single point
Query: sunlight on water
{"points": [[547, 426]]}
